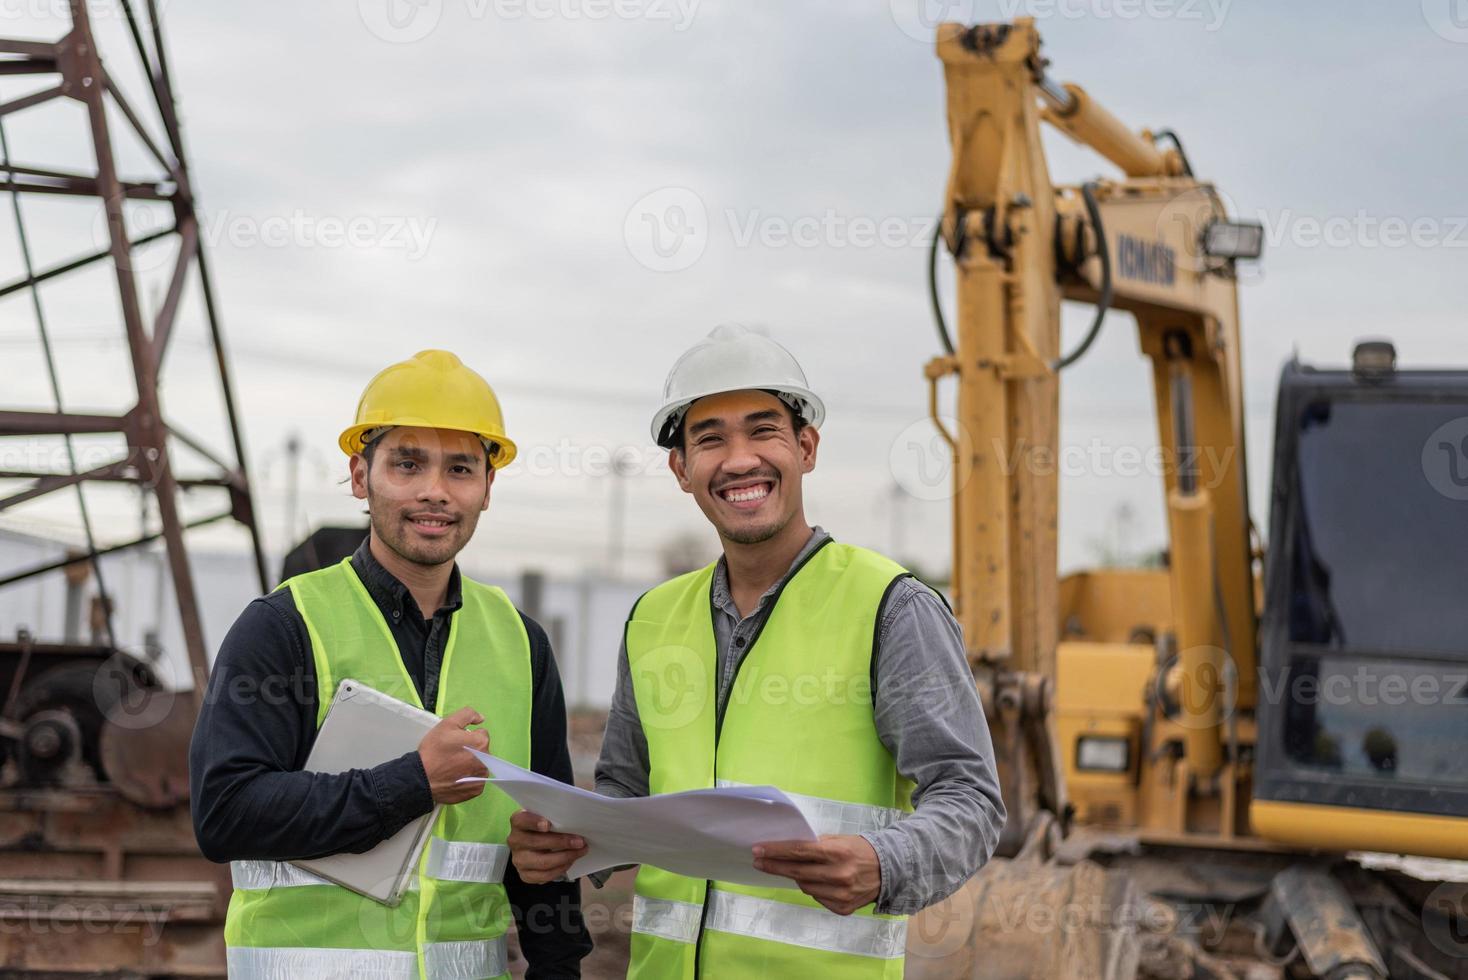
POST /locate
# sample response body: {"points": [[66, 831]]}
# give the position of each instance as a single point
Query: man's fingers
{"points": [[836, 898], [531, 840], [793, 850], [532, 832], [474, 739], [525, 820], [533, 822], [471, 766], [462, 793], [465, 717], [532, 876], [556, 861], [839, 905], [801, 871], [540, 855]]}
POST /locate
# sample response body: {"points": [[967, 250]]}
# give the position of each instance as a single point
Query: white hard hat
{"points": [[733, 358]]}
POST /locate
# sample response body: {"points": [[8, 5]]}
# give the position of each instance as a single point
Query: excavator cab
{"points": [[1363, 677]]}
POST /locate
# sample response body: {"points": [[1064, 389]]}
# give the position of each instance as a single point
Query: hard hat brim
{"points": [[351, 441], [814, 416]]}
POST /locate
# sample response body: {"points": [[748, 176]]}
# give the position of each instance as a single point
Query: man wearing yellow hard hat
{"points": [[398, 616]]}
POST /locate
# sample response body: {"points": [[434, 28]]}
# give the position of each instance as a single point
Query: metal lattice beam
{"points": [[148, 463]]}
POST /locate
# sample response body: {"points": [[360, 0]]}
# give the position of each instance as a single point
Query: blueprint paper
{"points": [[704, 833]]}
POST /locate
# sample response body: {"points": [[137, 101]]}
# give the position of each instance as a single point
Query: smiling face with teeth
{"points": [[425, 489], [742, 459]]}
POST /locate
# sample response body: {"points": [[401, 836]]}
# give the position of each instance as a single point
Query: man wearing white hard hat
{"points": [[796, 661]]}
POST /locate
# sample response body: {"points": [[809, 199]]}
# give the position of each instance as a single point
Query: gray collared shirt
{"points": [[928, 716]]}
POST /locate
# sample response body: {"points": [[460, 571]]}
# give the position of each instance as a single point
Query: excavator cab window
{"points": [[1364, 680], [1380, 530]]}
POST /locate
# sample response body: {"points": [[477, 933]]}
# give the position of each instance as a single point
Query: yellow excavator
{"points": [[1190, 753]]}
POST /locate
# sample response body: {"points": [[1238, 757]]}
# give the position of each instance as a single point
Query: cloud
{"points": [[525, 142]]}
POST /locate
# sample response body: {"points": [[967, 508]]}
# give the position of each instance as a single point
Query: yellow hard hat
{"points": [[432, 389]]}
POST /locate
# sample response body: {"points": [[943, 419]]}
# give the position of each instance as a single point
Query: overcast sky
{"points": [[486, 176]]}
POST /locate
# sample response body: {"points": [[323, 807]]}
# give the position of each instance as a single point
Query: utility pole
{"points": [[292, 487], [896, 521], [624, 464]]}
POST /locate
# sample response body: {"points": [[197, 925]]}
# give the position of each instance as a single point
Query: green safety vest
{"points": [[800, 717], [286, 922]]}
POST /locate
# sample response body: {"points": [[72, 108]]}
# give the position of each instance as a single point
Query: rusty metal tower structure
{"points": [[94, 809], [74, 64]]}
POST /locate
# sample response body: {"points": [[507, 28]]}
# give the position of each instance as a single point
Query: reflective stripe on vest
{"points": [[472, 960], [453, 860], [800, 925], [763, 918], [289, 962], [271, 874], [835, 816], [666, 919], [447, 861]]}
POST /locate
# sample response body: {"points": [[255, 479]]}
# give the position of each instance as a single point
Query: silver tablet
{"points": [[365, 728]]}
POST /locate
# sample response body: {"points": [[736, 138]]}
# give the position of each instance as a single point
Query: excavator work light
{"points": [[1233, 239], [1103, 754]]}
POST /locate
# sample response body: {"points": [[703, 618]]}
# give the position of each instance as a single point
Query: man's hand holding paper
{"points": [[540, 855], [841, 871], [708, 834], [445, 765]]}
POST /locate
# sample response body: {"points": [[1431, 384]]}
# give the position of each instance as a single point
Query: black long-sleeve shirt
{"points": [[252, 801]]}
